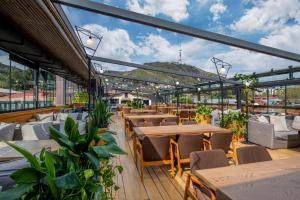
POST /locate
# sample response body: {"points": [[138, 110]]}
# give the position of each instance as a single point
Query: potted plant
{"points": [[203, 114], [100, 117], [78, 170], [236, 122], [80, 99]]}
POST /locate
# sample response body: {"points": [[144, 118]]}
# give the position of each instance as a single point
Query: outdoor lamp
{"points": [[106, 80], [90, 41], [222, 71], [177, 83], [199, 89], [101, 71], [247, 83]]}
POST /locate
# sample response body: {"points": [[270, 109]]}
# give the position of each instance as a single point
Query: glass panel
{"points": [[293, 99], [42, 88], [17, 86], [260, 100], [28, 88], [51, 86], [4, 81]]}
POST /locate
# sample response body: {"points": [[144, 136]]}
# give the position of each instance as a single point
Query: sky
{"points": [[274, 23]]}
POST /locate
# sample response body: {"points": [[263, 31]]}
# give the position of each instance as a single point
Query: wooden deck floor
{"points": [[158, 184]]}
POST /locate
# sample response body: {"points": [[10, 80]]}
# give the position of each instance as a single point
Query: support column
{"points": [[89, 86], [222, 103], [267, 100], [238, 97]]}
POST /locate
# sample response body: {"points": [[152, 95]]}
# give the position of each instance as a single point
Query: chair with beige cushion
{"points": [[203, 160], [220, 141], [164, 123], [189, 122], [184, 115], [153, 151], [252, 154], [185, 145]]}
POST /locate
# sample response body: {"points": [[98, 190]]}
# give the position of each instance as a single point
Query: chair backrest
{"points": [[144, 124], [164, 110], [173, 119], [221, 141], [184, 114], [147, 107], [252, 154], [207, 159], [156, 148], [126, 110], [189, 143], [168, 123], [192, 114], [155, 121], [188, 122]]}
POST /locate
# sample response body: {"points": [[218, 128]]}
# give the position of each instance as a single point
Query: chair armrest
{"points": [[261, 133], [195, 180], [206, 143]]}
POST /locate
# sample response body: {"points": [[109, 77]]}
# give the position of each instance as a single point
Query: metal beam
{"points": [[176, 27], [111, 74], [158, 69]]}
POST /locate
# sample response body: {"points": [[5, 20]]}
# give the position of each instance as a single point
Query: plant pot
{"points": [[202, 119]]}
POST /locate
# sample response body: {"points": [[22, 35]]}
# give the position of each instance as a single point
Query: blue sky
{"points": [[273, 23]]}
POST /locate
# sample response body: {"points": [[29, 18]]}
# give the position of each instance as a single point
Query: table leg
{"points": [[134, 148]]}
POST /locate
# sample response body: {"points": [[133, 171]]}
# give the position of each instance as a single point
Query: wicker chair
{"points": [[203, 160], [252, 154]]}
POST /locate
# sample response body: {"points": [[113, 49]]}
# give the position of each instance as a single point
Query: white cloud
{"points": [[177, 10], [217, 9], [268, 15], [286, 38], [201, 3]]}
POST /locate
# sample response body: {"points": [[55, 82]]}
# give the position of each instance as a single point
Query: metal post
{"points": [[285, 100], [222, 104], [89, 85], [267, 100], [177, 101]]}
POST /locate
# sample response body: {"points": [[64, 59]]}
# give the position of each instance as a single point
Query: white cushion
{"points": [[61, 116], [7, 131], [262, 119], [48, 117], [73, 116], [84, 115], [35, 131], [296, 123], [279, 123]]}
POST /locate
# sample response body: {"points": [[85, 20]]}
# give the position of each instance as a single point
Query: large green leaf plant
{"points": [[78, 170], [100, 116]]}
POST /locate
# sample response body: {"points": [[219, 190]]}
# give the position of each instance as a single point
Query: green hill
{"points": [[140, 73]]}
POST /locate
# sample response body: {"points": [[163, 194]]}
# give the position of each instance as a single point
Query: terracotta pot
{"points": [[203, 119]]}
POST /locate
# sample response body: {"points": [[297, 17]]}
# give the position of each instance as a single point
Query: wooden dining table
{"points": [[140, 132], [33, 146], [274, 180], [129, 118], [142, 111]]}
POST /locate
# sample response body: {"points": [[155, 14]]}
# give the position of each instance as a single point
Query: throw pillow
{"points": [[279, 123], [84, 115], [262, 119], [48, 117], [7, 131], [61, 116], [296, 123], [73, 116], [35, 131]]}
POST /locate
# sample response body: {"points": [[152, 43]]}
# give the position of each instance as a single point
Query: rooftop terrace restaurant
{"points": [[194, 136]]}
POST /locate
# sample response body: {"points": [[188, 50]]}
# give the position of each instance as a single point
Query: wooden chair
{"points": [[192, 115], [252, 154], [172, 120], [144, 124], [190, 122], [163, 110], [130, 124], [153, 151], [155, 121], [221, 141], [184, 145], [203, 160], [184, 115], [125, 111], [168, 123]]}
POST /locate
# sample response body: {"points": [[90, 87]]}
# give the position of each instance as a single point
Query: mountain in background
{"points": [[169, 78]]}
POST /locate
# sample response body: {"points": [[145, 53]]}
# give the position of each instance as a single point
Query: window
{"points": [[4, 81]]}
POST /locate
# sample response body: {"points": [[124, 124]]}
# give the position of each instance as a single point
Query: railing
{"points": [[7, 106]]}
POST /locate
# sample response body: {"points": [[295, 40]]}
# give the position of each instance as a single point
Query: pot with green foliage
{"points": [[203, 114], [236, 122], [76, 171], [100, 117]]}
